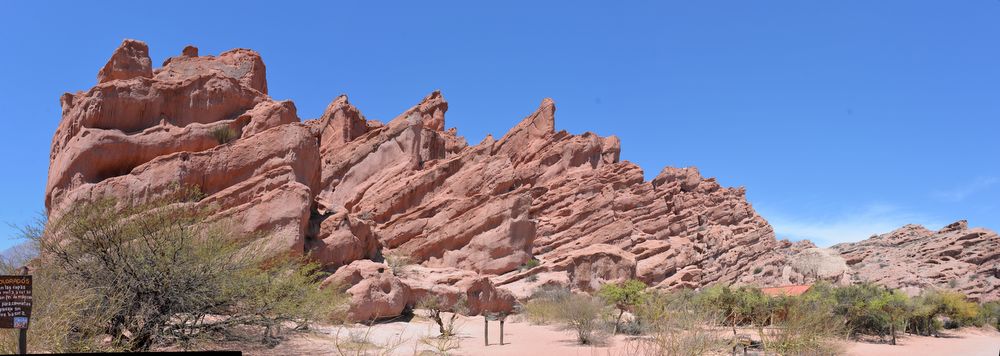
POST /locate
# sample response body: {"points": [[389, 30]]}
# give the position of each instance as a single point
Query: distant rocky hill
{"points": [[350, 191], [913, 258]]}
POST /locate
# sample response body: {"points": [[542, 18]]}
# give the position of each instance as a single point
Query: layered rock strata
{"points": [[914, 258], [350, 192]]}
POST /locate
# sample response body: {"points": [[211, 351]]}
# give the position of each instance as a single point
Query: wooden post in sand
{"points": [[501, 329], [486, 329]]}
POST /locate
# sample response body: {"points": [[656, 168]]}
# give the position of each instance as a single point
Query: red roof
{"points": [[791, 291]]}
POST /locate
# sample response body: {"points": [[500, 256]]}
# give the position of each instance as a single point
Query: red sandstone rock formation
{"points": [[345, 189], [913, 258], [348, 191]]}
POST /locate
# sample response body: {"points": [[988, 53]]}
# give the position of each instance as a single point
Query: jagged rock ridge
{"points": [[347, 190], [914, 258]]}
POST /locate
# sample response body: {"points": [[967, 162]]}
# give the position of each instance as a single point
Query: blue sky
{"points": [[842, 118]]}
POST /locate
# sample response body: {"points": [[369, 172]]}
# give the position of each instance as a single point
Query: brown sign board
{"points": [[15, 301]]}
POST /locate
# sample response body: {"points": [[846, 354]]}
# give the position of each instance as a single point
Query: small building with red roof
{"points": [[788, 291]]}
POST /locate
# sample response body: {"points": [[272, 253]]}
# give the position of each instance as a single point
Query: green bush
{"points": [[675, 323], [738, 306], [585, 315], [869, 309], [542, 307], [861, 306], [990, 314], [398, 261], [623, 296], [927, 309], [161, 272], [63, 318], [532, 263], [225, 134], [807, 326]]}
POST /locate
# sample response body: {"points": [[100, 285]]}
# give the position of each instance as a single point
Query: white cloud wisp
{"points": [[846, 227]]}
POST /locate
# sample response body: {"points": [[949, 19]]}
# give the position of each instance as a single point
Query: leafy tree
{"points": [[737, 305], [896, 307], [674, 323], [934, 303], [806, 326], [862, 307], [624, 297]]}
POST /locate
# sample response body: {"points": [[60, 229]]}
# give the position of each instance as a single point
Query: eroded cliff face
{"points": [[913, 258], [348, 191], [342, 188]]}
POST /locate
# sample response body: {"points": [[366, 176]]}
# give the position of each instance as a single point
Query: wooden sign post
{"points": [[15, 307]]}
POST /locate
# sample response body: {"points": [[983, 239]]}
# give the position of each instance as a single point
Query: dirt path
{"points": [[405, 338], [523, 339], [965, 342]]}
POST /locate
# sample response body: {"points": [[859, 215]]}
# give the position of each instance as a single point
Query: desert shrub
{"points": [[675, 323], [441, 345], [957, 307], [865, 308], [990, 313], [623, 296], [869, 309], [160, 271], [808, 327], [62, 318], [861, 307], [585, 315], [436, 305], [632, 326], [284, 292], [225, 134], [532, 263], [928, 308], [542, 307], [397, 262], [737, 306], [359, 342]]}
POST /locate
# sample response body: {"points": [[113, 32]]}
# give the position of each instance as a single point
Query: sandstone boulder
{"points": [[378, 297], [354, 273], [481, 295], [375, 291], [591, 267]]}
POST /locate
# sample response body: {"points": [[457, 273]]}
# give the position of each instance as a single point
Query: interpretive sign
{"points": [[15, 302]]}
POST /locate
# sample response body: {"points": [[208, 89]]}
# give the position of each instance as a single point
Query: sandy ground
{"points": [[523, 339], [965, 342], [407, 338]]}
